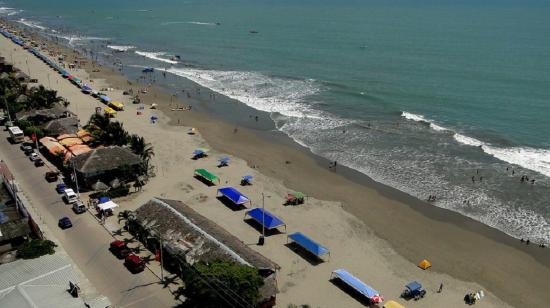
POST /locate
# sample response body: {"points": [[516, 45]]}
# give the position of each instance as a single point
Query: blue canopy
{"points": [[86, 88], [413, 286], [198, 152], [355, 283], [308, 244], [104, 98], [247, 178], [103, 199], [224, 160], [265, 218], [233, 195]]}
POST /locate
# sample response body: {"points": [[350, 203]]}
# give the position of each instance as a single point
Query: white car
{"points": [[33, 156], [70, 196]]}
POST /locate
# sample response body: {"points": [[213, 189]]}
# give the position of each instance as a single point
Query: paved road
{"points": [[87, 242]]}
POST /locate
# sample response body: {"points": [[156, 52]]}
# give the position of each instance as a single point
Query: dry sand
{"points": [[366, 247]]}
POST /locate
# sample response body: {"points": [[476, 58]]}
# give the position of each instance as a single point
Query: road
{"points": [[86, 242]]}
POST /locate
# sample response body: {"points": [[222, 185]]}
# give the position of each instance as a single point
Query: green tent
{"points": [[298, 195], [206, 174]]}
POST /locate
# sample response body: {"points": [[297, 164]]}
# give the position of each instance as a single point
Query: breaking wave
{"points": [[121, 47], [530, 158], [31, 24], [158, 56], [261, 92]]}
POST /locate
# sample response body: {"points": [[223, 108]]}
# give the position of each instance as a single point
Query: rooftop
{"points": [[105, 159], [61, 126], [197, 237]]}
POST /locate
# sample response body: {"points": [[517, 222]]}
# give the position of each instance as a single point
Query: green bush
{"points": [[36, 248]]}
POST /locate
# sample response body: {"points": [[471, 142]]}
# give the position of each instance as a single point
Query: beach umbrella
{"points": [[198, 152], [224, 160], [248, 178]]}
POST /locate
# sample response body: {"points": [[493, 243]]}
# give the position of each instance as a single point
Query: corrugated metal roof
{"points": [[41, 282]]}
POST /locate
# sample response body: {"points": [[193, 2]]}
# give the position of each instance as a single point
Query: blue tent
{"points": [[265, 218], [103, 199], [308, 244], [104, 98], [361, 287], [234, 195]]}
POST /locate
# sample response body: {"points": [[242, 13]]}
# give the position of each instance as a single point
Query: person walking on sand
{"points": [[473, 179], [440, 288]]}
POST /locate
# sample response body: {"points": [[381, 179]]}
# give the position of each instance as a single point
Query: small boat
{"points": [[148, 70], [254, 31]]}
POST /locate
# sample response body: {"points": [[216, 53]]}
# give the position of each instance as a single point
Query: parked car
{"points": [[134, 263], [33, 156], [51, 176], [70, 196], [60, 188], [65, 223], [79, 207], [25, 147], [39, 162], [119, 249]]}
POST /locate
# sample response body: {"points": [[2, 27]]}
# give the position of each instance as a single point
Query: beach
{"points": [[373, 231]]}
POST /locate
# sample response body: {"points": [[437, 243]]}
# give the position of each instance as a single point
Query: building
{"points": [[39, 116], [43, 282], [14, 227], [104, 164], [190, 237], [60, 126]]}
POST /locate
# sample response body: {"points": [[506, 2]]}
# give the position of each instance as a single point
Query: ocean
{"points": [[429, 97]]}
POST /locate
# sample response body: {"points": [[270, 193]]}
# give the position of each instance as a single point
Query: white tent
{"points": [[107, 205]]}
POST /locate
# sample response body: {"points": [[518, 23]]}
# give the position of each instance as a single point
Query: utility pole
{"points": [[161, 258], [76, 180], [261, 240], [7, 108]]}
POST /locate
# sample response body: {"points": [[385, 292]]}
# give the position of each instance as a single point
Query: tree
{"points": [[29, 130], [115, 134], [143, 149], [36, 248], [215, 284]]}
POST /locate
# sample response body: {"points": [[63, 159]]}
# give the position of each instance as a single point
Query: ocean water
{"points": [[418, 95]]}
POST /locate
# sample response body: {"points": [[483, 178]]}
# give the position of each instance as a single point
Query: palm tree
{"points": [[100, 121], [116, 134], [143, 149]]}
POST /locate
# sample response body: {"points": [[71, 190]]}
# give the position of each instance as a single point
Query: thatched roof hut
{"points": [[193, 238], [197, 237]]}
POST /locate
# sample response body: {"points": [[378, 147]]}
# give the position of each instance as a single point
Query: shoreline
{"points": [[308, 173]]}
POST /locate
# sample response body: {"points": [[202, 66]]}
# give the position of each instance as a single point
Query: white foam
{"points": [[155, 56], [201, 23], [261, 92], [422, 119], [467, 140], [121, 47], [31, 24], [530, 158]]}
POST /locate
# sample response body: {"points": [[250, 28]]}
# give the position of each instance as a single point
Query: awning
{"points": [[78, 149], [71, 141], [107, 205], [233, 195], [297, 195], [393, 304], [358, 285], [308, 244], [86, 89], [103, 199], [104, 98], [265, 218], [206, 174], [109, 110], [116, 105]]}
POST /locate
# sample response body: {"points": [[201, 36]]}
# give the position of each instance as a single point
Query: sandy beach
{"points": [[373, 231]]}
